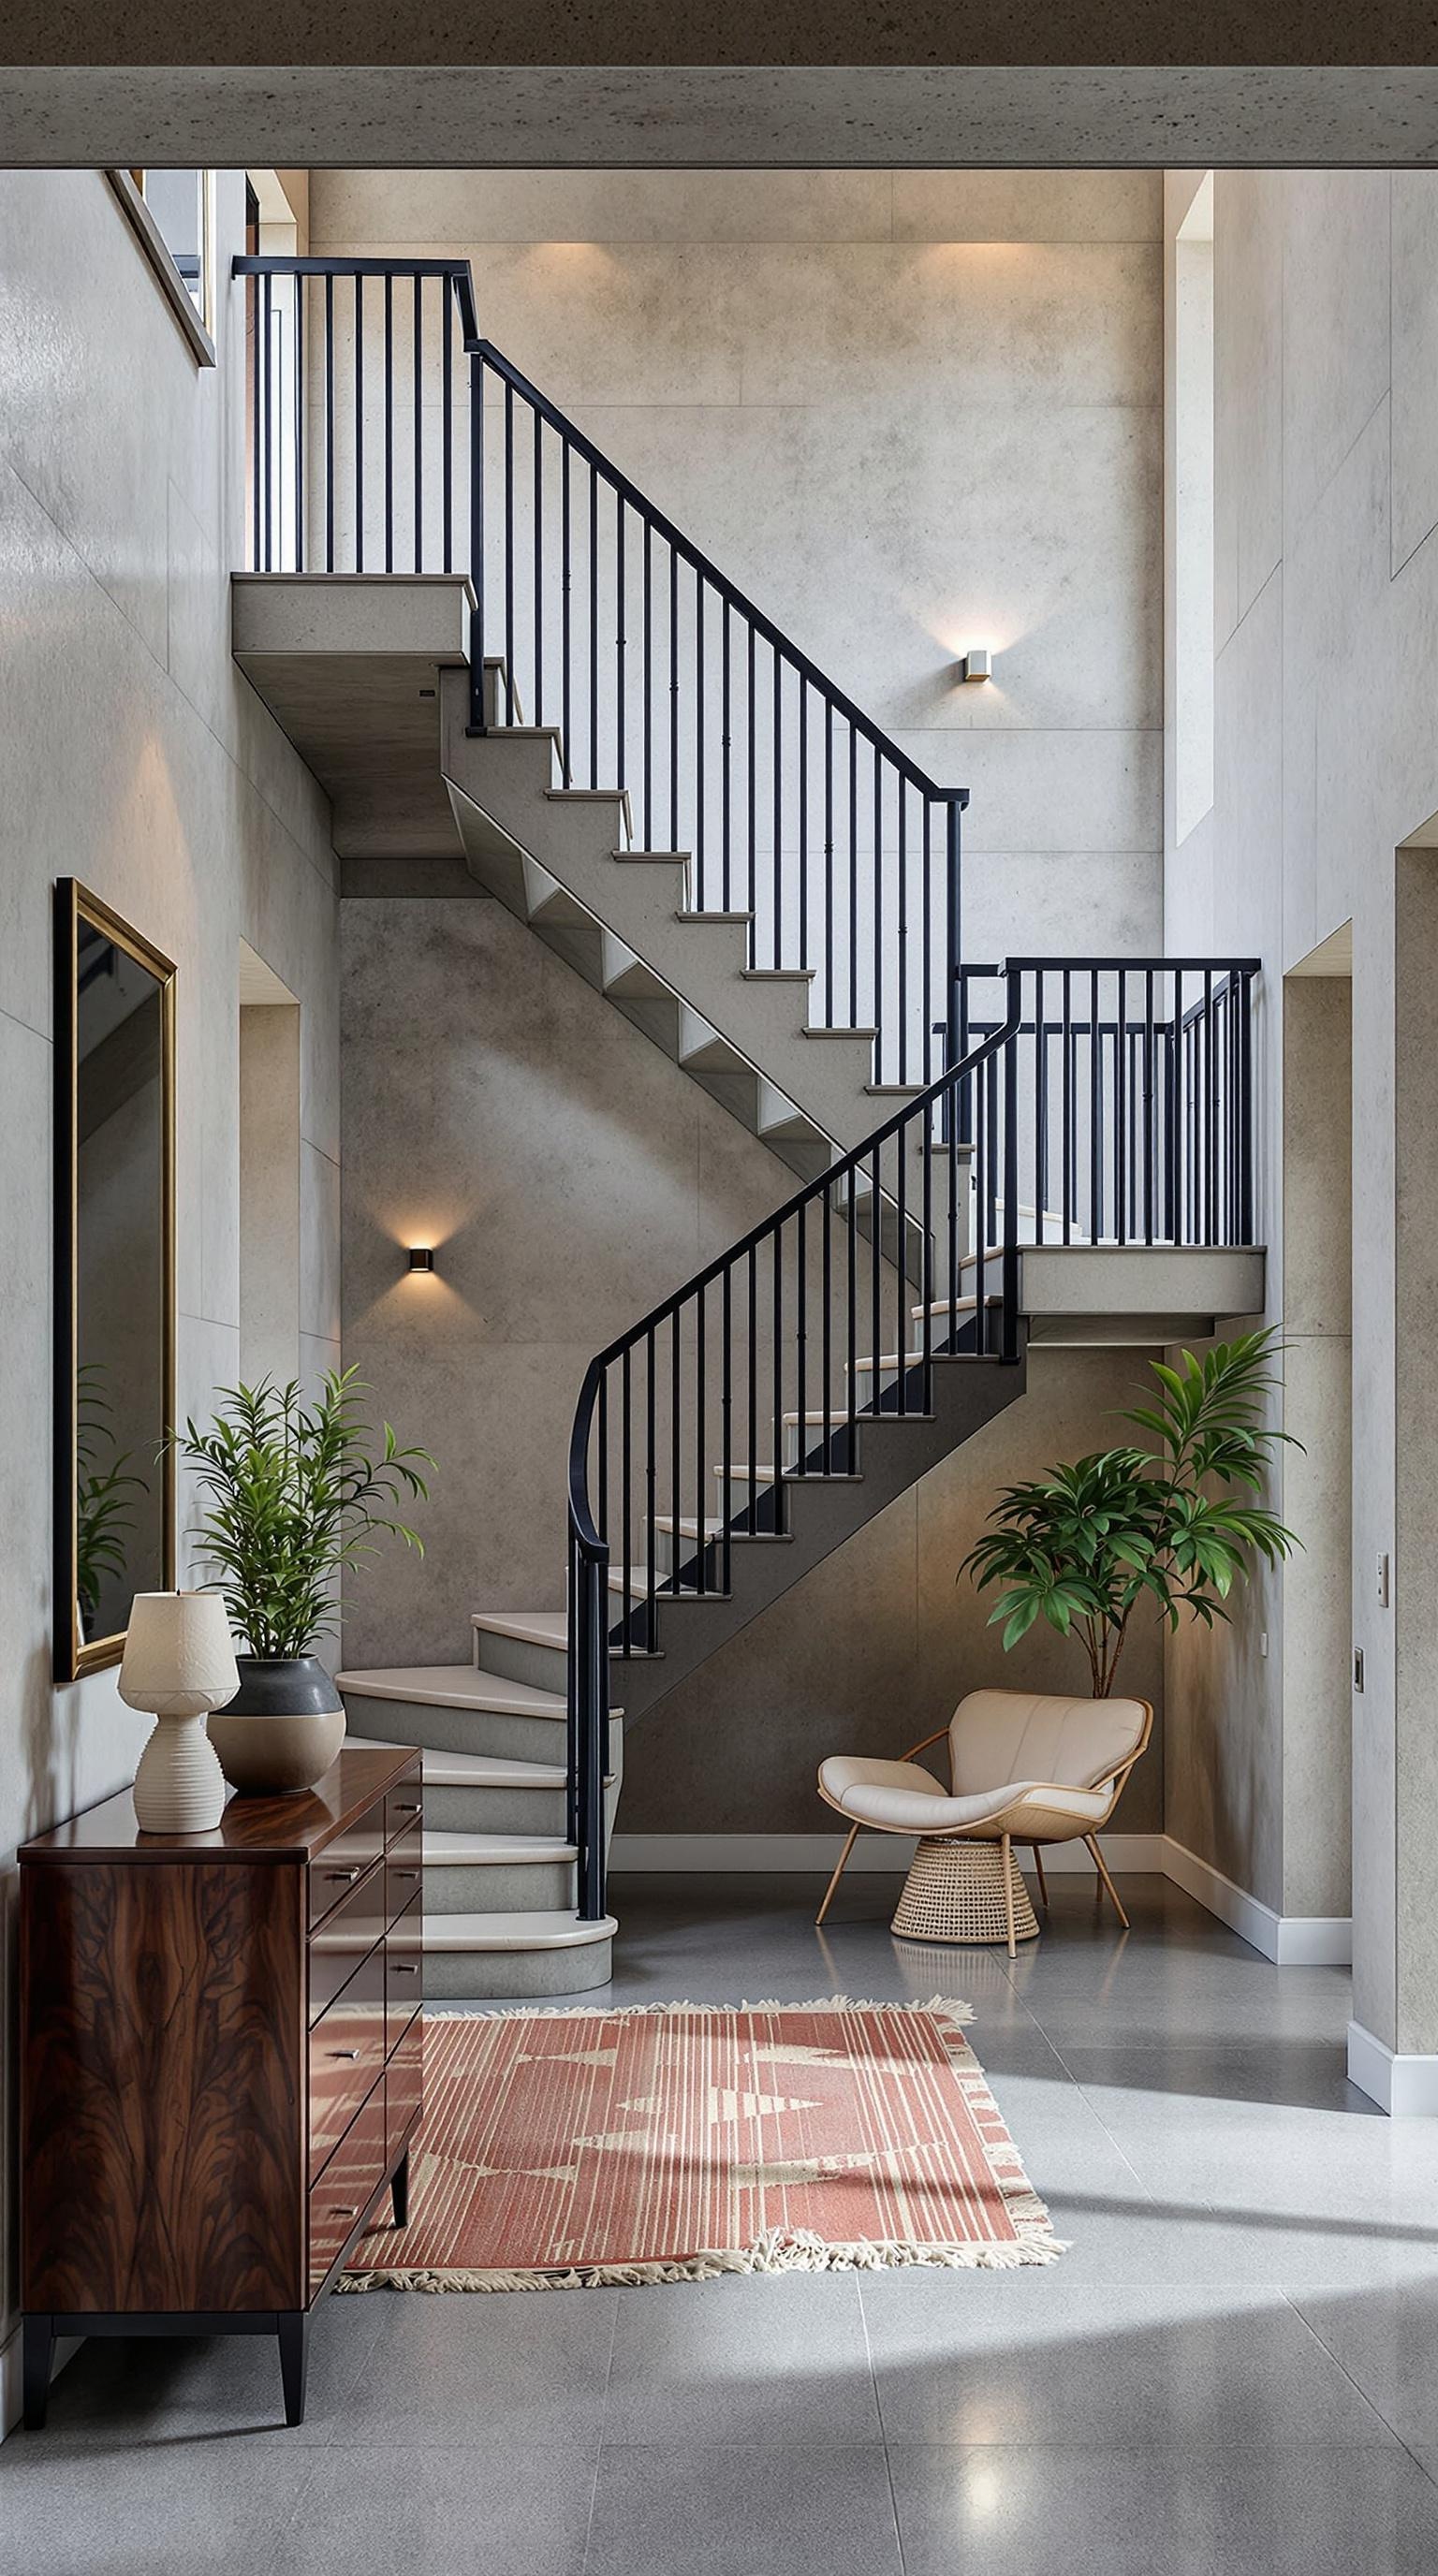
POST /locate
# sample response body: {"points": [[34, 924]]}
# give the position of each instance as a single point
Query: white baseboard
{"points": [[744, 1853], [1405, 2087], [1290, 1940]]}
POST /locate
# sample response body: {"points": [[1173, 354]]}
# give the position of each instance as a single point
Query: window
{"points": [[173, 213], [1193, 513]]}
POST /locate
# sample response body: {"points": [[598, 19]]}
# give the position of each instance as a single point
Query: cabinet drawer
{"points": [[403, 1808], [346, 2054], [344, 1861], [343, 1937], [404, 2087], [404, 1972], [353, 2173], [404, 1880]]}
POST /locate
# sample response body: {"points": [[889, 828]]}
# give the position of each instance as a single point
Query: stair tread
{"points": [[531, 1627], [544, 1929], [487, 1771], [458, 1849], [457, 1686]]}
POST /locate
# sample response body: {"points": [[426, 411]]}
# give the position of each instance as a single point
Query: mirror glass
{"points": [[120, 1270]]}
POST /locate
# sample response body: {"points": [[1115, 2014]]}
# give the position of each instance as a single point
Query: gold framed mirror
{"points": [[114, 1277]]}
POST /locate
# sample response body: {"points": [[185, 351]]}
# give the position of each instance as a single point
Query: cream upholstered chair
{"points": [[1024, 1767]]}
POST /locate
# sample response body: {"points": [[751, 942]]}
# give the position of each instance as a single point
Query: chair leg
{"points": [[1009, 1892], [851, 1839], [1105, 1880], [1043, 1882]]}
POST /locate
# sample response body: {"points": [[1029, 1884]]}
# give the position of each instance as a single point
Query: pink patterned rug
{"points": [[679, 2141]]}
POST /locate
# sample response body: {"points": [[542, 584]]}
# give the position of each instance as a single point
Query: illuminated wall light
{"points": [[977, 664], [421, 1257]]}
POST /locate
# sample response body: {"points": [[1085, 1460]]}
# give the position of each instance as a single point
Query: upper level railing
{"points": [[386, 436], [1135, 1092]]}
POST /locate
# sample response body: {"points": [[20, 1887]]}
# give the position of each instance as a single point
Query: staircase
{"points": [[706, 828]]}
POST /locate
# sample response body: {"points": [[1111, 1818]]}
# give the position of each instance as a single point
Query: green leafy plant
{"points": [[1173, 1522], [295, 1496], [105, 1487]]}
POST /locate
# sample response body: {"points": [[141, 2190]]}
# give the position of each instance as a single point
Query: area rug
{"points": [[680, 2141]]}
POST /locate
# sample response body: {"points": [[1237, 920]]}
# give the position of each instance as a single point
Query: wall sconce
{"points": [[421, 1257], [977, 664]]}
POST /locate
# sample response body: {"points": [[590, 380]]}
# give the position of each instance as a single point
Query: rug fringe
{"points": [[944, 2007], [796, 2251]]}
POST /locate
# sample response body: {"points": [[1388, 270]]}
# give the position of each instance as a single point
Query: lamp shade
{"points": [[179, 1658]]}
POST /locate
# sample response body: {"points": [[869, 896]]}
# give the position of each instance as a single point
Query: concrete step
{"points": [[478, 1956], [530, 1646], [457, 1708], [496, 1873]]}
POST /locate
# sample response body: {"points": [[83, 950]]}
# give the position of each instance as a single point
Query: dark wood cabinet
{"points": [[221, 2060]]}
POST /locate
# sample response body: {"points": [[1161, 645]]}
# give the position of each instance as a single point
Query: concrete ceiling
{"points": [[727, 116]]}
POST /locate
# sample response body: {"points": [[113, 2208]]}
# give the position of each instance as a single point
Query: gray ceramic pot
{"points": [[283, 1728]]}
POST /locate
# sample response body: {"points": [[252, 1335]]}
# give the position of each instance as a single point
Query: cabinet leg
{"points": [[399, 2191], [39, 2348], [294, 2331]]}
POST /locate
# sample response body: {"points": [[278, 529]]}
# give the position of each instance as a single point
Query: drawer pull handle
{"points": [[406, 1873], [347, 1876], [407, 1808], [402, 1968], [344, 2052], [345, 2213]]}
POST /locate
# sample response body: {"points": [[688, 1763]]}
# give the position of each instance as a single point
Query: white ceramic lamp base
{"points": [[179, 1786]]}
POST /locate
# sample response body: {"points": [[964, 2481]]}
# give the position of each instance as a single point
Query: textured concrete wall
{"points": [[134, 756], [570, 1175], [907, 411], [1326, 761]]}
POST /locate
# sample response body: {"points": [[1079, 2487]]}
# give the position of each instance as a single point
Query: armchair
{"points": [[1023, 1767]]}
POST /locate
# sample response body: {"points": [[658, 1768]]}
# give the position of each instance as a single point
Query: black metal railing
{"points": [[386, 436], [791, 1339], [1135, 1092]]}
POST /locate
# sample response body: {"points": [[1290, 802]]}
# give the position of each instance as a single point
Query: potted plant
{"points": [[294, 1497], [1172, 1521]]}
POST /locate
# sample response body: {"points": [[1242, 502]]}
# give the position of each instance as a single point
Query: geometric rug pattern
{"points": [[678, 2141]]}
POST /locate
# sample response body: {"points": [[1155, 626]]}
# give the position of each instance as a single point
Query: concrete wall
{"points": [[569, 1176], [907, 412], [134, 756], [1326, 611]]}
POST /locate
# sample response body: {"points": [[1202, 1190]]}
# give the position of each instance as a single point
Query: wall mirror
{"points": [[114, 1277]]}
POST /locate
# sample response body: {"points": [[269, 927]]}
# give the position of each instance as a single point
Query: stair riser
{"points": [[494, 1811], [498, 1887], [457, 1730], [482, 1976], [515, 1659], [841, 1458]]}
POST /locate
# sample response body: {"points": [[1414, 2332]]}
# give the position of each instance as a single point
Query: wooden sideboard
{"points": [[221, 2060]]}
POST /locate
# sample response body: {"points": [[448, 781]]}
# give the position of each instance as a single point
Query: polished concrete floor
{"points": [[1234, 2371]]}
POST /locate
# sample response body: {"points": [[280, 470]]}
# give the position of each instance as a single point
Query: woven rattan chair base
{"points": [[955, 1892]]}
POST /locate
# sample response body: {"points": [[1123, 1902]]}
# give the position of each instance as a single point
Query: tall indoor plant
{"points": [[1173, 1521], [294, 1497]]}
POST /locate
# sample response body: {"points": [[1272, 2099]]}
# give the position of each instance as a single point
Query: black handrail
{"points": [[978, 1320], [661, 677]]}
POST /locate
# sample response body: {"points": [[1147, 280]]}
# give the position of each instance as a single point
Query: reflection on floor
{"points": [[1232, 2373]]}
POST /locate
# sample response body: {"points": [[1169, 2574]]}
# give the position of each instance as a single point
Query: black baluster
{"points": [[753, 1351], [673, 699], [447, 425], [359, 424], [726, 1419], [801, 1333], [1095, 1115], [1041, 1109], [620, 644], [778, 802], [700, 1390], [1210, 1120], [781, 1508], [903, 931], [264, 466], [726, 899], [651, 1624], [566, 638], [626, 1482], [509, 688], [419, 424], [648, 690], [675, 1434], [752, 798], [929, 996], [803, 820], [827, 1213], [853, 876], [829, 1021], [301, 460], [537, 475], [389, 421], [329, 422], [699, 898], [593, 625]]}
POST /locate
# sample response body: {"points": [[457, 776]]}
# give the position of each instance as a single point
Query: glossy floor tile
{"points": [[1232, 2371]]}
